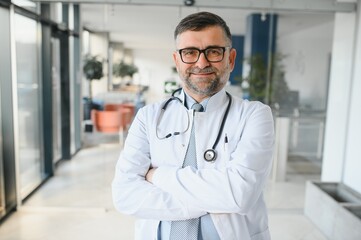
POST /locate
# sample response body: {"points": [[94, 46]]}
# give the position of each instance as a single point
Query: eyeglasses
{"points": [[212, 54]]}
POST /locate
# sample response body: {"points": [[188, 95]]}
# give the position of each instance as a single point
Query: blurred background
{"points": [[73, 74]]}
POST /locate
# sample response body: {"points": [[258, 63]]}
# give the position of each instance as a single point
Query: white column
{"points": [[351, 175], [339, 97]]}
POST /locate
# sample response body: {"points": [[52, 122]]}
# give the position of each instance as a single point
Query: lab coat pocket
{"points": [[229, 147]]}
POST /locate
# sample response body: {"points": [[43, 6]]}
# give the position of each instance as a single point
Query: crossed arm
{"points": [[172, 193]]}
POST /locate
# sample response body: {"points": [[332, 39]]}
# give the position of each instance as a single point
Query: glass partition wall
{"points": [[3, 14], [2, 188], [56, 105], [305, 52], [286, 64], [7, 161], [28, 85], [34, 109]]}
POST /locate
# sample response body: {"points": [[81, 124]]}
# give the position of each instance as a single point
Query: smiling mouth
{"points": [[202, 74]]}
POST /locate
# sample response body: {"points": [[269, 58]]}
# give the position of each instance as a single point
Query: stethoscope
{"points": [[210, 155]]}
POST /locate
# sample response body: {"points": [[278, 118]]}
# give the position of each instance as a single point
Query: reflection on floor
{"points": [[76, 203]]}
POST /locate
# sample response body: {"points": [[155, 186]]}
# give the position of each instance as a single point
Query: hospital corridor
{"points": [[76, 203], [266, 93]]}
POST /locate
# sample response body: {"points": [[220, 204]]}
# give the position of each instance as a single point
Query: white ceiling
{"points": [[152, 26]]}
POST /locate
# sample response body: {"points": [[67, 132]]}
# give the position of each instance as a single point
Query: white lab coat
{"points": [[230, 189]]}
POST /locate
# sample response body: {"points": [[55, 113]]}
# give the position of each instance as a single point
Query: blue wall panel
{"points": [[236, 75]]}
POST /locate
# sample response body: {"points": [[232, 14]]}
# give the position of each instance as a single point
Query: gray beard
{"points": [[213, 87]]}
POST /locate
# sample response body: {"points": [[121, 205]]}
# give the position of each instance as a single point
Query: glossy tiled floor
{"points": [[76, 204]]}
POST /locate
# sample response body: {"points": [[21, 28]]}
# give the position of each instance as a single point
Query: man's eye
{"points": [[214, 52], [189, 52]]}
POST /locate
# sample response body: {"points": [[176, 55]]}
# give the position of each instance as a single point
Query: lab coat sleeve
{"points": [[234, 188], [132, 194]]}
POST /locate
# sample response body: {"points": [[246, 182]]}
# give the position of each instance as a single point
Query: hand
{"points": [[149, 175]]}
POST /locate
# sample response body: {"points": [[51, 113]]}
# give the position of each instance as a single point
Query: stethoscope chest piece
{"points": [[210, 155]]}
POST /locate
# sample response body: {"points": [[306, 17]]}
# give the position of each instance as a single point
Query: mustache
{"points": [[204, 70]]}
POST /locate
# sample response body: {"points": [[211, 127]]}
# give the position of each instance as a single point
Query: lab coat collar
{"points": [[215, 102], [189, 101]]}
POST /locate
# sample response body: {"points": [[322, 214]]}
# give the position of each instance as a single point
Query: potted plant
{"points": [[93, 70], [257, 78], [123, 69], [279, 89], [256, 81]]}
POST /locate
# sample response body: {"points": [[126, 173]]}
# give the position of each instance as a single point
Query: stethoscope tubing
{"points": [[223, 121], [161, 115], [210, 155]]}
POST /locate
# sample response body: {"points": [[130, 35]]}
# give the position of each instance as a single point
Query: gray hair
{"points": [[201, 20]]}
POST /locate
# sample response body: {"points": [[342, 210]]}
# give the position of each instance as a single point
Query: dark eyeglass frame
{"points": [[200, 51]]}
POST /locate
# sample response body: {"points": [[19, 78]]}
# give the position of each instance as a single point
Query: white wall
{"points": [[155, 67], [307, 63]]}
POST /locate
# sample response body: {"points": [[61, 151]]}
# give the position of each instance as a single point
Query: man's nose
{"points": [[202, 61]]}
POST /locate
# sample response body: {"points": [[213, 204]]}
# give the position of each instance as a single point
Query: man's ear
{"points": [[175, 59], [232, 58]]}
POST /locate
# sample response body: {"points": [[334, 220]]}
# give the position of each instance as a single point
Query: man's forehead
{"points": [[212, 36]]}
